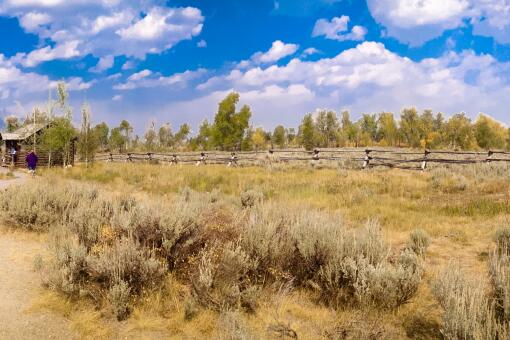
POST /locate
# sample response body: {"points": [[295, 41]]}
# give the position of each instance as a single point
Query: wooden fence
{"points": [[366, 158]]}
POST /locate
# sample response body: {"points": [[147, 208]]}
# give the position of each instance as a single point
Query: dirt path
{"points": [[20, 285]]}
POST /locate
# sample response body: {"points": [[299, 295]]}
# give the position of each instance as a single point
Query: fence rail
{"points": [[367, 157]]}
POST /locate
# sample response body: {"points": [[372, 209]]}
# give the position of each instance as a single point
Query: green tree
{"points": [[230, 127], [387, 129], [102, 131], [151, 137], [279, 136], [61, 133], [489, 133], [165, 135], [350, 131], [11, 123], [117, 140], [258, 139], [459, 132], [410, 127], [58, 138], [368, 126], [88, 140], [307, 132], [182, 135], [126, 129], [247, 143], [426, 128]]}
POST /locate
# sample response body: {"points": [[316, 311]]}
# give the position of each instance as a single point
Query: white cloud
{"points": [[148, 79], [103, 64], [16, 84], [32, 21], [128, 65], [117, 98], [371, 78], [310, 51], [66, 50], [338, 29], [104, 27], [278, 50], [417, 21], [202, 44]]}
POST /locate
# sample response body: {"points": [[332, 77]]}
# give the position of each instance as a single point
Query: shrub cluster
{"points": [[115, 247], [470, 312]]}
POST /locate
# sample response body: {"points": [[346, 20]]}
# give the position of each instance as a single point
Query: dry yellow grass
{"points": [[461, 218]]}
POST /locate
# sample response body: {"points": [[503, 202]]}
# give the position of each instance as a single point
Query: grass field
{"points": [[460, 208]]}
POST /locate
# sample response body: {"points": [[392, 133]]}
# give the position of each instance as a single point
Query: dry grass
{"points": [[455, 210]]}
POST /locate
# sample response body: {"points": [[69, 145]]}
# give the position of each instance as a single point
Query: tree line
{"points": [[231, 130]]}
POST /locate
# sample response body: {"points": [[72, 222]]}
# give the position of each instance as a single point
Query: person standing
{"points": [[31, 160]]}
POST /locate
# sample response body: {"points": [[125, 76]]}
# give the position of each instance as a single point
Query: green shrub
{"points": [[419, 241], [251, 197]]}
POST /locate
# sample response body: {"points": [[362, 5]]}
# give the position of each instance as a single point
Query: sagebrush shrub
{"points": [[419, 241], [448, 181], [499, 271], [502, 239], [251, 197], [469, 314], [118, 296]]}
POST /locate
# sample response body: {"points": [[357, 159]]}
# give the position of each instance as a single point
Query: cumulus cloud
{"points": [[103, 28], [202, 44], [338, 29], [278, 51], [417, 21], [370, 77], [66, 50], [16, 84], [148, 79], [103, 64]]}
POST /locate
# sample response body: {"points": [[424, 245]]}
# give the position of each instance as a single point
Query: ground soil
{"points": [[20, 285]]}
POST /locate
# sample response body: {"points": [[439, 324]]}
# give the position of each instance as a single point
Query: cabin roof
{"points": [[23, 133]]}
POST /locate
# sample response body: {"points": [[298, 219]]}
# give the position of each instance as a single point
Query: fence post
{"points": [[490, 154], [366, 163], [129, 159], [315, 155], [174, 159], [233, 160], [150, 156], [111, 157], [425, 157]]}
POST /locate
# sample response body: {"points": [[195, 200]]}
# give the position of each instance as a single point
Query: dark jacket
{"points": [[31, 160]]}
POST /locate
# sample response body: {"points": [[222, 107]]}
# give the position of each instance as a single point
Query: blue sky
{"points": [[172, 61]]}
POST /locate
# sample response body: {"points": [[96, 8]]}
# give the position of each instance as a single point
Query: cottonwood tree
{"points": [[126, 129], [101, 131], [307, 132], [387, 129], [410, 127], [489, 133], [151, 137], [182, 135], [59, 136], [116, 140], [88, 140], [11, 123], [258, 138], [230, 126], [279, 136], [165, 135], [459, 132]]}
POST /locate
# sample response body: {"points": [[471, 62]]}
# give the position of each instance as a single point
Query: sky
{"points": [[173, 61]]}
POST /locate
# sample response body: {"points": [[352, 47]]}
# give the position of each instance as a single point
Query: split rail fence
{"points": [[366, 158]]}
